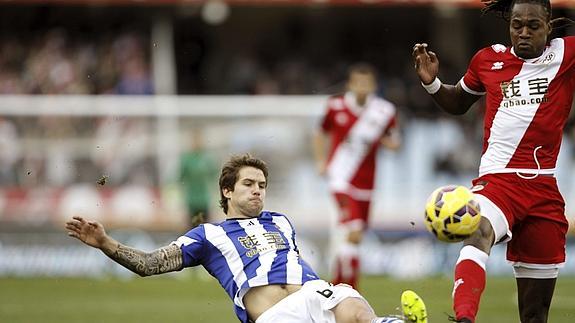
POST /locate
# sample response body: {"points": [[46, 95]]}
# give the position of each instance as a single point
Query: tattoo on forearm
{"points": [[159, 261]]}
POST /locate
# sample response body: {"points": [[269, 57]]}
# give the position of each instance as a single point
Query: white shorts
{"points": [[496, 217], [311, 304]]}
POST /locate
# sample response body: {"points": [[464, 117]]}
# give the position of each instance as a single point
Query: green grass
{"points": [[193, 299]]}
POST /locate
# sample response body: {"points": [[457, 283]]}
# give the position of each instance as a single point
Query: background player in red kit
{"points": [[528, 90], [356, 124]]}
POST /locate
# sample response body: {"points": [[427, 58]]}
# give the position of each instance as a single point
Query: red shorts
{"points": [[535, 214], [353, 213]]}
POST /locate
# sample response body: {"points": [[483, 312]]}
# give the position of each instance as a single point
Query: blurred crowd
{"points": [[56, 63], [53, 62], [58, 151]]}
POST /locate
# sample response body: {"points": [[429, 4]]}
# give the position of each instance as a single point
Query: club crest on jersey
{"points": [[549, 58], [341, 118], [498, 48], [497, 66]]}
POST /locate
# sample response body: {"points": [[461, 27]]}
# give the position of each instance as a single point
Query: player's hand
{"points": [[91, 233], [426, 63]]}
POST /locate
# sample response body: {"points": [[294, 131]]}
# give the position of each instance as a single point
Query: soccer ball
{"points": [[452, 213]]}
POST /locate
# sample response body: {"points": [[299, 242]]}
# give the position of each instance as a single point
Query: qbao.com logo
{"points": [[519, 102]]}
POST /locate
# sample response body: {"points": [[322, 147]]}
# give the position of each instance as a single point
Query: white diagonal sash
{"points": [[352, 151]]}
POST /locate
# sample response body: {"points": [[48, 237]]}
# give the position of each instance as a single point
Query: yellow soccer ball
{"points": [[452, 213]]}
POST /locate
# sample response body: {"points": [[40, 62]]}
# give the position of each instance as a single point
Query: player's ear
{"points": [[227, 192]]}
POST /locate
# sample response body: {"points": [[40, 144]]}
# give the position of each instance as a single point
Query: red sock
{"points": [[347, 267], [469, 282]]}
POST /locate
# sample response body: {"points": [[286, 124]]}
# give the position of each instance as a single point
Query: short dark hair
{"points": [[362, 68], [230, 171]]}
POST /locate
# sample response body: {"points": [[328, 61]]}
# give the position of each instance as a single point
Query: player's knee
{"points": [[484, 237], [352, 310], [534, 310]]}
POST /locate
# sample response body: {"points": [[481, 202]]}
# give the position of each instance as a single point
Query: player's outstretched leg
{"points": [[413, 307]]}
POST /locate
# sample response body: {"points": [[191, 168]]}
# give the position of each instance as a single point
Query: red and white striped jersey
{"points": [[355, 134], [526, 107]]}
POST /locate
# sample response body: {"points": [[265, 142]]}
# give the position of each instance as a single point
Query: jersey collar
{"points": [[530, 60]]}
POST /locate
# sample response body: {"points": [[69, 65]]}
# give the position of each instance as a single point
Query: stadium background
{"points": [[119, 89]]}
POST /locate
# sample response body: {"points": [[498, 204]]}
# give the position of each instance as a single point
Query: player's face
{"points": [[247, 198], [362, 84], [529, 29]]}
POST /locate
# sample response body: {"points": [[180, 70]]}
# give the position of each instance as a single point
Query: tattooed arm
{"points": [[159, 261]]}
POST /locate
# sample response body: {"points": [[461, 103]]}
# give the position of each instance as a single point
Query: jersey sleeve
{"points": [[471, 81], [570, 56], [326, 123], [192, 246]]}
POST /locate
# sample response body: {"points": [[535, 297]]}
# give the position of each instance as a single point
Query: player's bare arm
{"points": [[320, 151], [451, 98], [163, 260], [92, 233]]}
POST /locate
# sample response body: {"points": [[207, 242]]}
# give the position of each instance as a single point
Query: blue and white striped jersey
{"points": [[244, 253]]}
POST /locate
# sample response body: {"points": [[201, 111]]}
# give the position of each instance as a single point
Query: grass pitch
{"points": [[193, 299]]}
